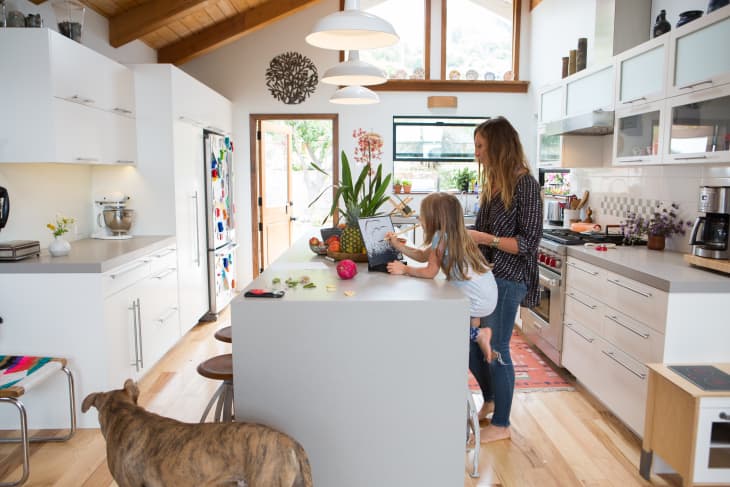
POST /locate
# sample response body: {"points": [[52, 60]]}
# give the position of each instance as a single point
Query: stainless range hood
{"points": [[598, 122]]}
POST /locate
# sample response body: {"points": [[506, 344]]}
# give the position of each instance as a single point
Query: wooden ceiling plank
{"points": [[227, 8], [143, 19], [229, 30], [216, 13]]}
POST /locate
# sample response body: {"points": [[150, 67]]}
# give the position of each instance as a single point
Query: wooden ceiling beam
{"points": [[148, 17], [229, 30]]}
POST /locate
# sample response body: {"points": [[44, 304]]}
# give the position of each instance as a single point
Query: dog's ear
{"points": [[131, 389], [89, 401]]}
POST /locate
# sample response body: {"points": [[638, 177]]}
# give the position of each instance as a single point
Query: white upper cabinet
{"points": [[698, 54], [551, 104], [637, 137], [641, 73], [589, 90], [63, 102], [197, 104]]}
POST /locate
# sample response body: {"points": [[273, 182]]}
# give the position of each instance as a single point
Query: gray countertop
{"points": [[660, 269], [89, 255]]}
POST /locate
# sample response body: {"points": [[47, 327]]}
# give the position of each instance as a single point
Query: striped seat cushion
{"points": [[19, 373]]}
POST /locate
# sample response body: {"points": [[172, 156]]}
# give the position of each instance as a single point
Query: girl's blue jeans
{"points": [[497, 380]]}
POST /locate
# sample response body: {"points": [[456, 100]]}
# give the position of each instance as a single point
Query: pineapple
{"points": [[351, 240]]}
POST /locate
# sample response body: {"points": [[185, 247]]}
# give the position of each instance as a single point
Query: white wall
{"points": [[237, 71], [611, 188]]}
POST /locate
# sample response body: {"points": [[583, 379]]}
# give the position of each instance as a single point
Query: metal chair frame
{"points": [[472, 423], [25, 440]]}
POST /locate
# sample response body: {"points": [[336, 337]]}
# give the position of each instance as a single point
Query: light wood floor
{"points": [[559, 439]]}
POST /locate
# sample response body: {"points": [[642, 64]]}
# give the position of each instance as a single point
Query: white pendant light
{"points": [[354, 72], [354, 95], [352, 29]]}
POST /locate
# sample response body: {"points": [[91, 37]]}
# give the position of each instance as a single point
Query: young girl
{"points": [[451, 250]]}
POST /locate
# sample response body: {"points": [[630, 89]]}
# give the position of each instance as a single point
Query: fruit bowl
{"points": [[318, 249]]}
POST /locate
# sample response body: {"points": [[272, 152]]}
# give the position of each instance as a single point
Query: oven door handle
{"points": [[549, 283]]}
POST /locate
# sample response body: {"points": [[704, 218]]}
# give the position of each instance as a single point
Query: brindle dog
{"points": [[147, 450]]}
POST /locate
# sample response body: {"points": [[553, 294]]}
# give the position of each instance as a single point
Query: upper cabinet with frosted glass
{"points": [[589, 90], [698, 54], [641, 73]]}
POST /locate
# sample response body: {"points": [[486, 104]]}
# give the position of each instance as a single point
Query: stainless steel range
{"points": [[543, 324]]}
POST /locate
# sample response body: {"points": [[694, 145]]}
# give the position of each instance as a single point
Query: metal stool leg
{"points": [[25, 441], [473, 422], [212, 401], [227, 402]]}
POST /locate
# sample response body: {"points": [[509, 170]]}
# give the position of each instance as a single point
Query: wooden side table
{"points": [[688, 427]]}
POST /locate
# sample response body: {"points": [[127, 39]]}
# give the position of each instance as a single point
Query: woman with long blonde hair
{"points": [[508, 230], [449, 248]]}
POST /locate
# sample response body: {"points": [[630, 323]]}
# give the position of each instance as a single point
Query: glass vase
{"points": [[656, 242], [59, 247]]}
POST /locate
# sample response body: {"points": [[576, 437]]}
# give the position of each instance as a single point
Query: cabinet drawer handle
{"points": [[634, 100], [213, 128], [618, 283], [615, 319], [126, 271], [692, 85], [689, 158], [191, 121], [724, 415], [631, 160], [613, 357], [81, 99], [166, 273], [591, 306], [122, 110], [87, 159], [593, 273], [168, 315], [589, 340], [166, 252], [123, 161]]}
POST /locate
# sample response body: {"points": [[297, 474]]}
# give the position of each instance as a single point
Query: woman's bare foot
{"points": [[483, 339], [494, 433], [486, 410]]}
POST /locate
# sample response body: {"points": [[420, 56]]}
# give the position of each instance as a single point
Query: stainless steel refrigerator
{"points": [[221, 227]]}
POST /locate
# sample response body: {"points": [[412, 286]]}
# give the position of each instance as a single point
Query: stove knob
{"points": [[551, 262], [558, 263], [543, 257]]}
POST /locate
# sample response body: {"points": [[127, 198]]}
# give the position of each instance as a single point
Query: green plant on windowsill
{"points": [[461, 177]]}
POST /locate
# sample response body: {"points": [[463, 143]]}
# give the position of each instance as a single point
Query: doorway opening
{"points": [[284, 182]]}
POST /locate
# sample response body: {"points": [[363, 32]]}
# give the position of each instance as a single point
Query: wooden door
{"points": [[275, 190]]}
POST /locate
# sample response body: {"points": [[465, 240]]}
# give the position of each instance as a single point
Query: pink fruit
{"points": [[346, 269]]}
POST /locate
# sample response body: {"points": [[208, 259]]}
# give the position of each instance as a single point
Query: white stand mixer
{"points": [[112, 219]]}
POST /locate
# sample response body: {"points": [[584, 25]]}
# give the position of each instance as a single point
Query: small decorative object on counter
{"points": [[662, 25], [565, 67], [662, 223], [715, 4], [581, 54], [571, 61], [60, 246], [688, 16], [656, 242]]}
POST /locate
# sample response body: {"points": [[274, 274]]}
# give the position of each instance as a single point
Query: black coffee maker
{"points": [[710, 235], [4, 207]]}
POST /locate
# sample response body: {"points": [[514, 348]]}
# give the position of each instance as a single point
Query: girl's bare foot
{"points": [[486, 410], [483, 339], [494, 433]]}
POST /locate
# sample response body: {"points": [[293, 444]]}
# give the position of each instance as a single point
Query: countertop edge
{"points": [[116, 253], [674, 275]]}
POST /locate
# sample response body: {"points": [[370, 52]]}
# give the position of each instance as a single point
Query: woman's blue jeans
{"points": [[497, 380]]}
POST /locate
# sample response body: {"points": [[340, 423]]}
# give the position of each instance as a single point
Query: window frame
{"points": [[428, 84]]}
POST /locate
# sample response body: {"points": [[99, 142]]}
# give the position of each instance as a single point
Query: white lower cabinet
{"points": [[110, 326], [607, 349]]}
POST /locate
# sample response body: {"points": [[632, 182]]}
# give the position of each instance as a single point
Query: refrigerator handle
{"points": [[197, 229]]}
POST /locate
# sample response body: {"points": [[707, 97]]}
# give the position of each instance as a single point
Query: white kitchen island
{"points": [[373, 385]]}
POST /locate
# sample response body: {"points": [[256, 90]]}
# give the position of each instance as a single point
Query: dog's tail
{"points": [[304, 478]]}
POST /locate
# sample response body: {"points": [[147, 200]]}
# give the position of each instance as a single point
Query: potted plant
{"points": [[462, 177], [662, 223], [397, 185], [406, 186], [59, 246]]}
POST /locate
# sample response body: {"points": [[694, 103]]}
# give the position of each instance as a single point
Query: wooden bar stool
{"points": [[224, 335], [219, 367], [19, 374]]}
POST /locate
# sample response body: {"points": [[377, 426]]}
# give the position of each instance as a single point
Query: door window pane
{"points": [[479, 39]]}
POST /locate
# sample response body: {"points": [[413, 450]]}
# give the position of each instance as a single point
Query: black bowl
{"points": [[688, 16]]}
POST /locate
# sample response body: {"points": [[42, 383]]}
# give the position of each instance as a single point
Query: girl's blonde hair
{"points": [[506, 161], [442, 212]]}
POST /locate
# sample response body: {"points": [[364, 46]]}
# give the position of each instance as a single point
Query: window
{"points": [[478, 39], [456, 45], [435, 153]]}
